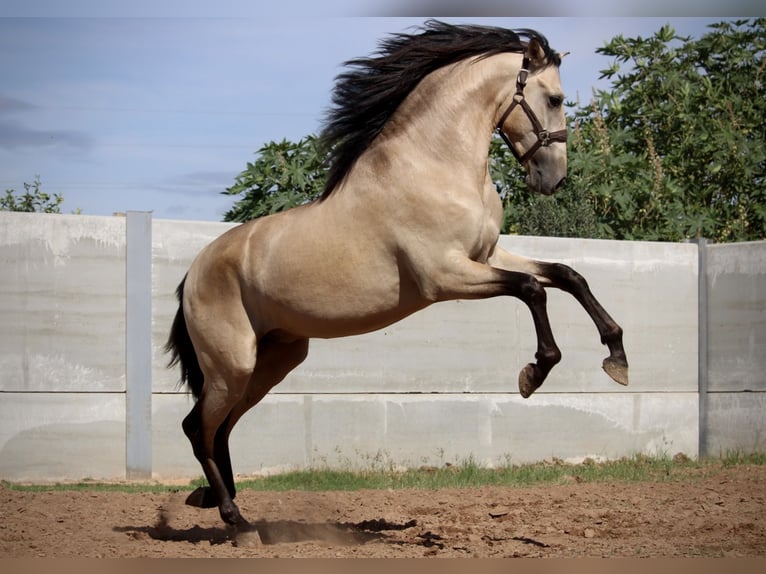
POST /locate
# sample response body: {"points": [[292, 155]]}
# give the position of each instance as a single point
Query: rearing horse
{"points": [[409, 217]]}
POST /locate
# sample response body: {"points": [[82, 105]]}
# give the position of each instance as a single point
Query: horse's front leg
{"points": [[531, 292], [473, 280], [567, 279]]}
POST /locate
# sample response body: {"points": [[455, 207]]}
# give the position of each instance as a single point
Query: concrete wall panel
{"points": [[737, 317], [62, 303], [62, 436], [480, 346], [736, 423], [650, 289]]}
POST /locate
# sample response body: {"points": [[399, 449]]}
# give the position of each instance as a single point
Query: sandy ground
{"points": [[722, 514]]}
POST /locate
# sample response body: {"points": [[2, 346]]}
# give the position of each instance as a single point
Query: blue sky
{"points": [[161, 114]]}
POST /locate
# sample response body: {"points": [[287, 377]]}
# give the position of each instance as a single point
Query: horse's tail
{"points": [[182, 351]]}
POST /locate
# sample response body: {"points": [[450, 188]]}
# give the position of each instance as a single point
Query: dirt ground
{"points": [[723, 514]]}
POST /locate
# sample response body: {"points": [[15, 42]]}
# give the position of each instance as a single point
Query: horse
{"points": [[409, 216]]}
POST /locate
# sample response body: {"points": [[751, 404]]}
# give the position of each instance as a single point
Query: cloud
{"points": [[14, 134], [197, 183], [13, 105]]}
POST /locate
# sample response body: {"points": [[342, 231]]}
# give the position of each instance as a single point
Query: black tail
{"points": [[180, 345]]}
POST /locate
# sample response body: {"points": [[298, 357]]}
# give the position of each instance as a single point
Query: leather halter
{"points": [[544, 137]]}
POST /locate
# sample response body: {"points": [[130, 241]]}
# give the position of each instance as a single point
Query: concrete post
{"points": [[138, 352], [703, 346]]}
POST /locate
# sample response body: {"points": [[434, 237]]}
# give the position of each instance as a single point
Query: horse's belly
{"points": [[341, 314]]}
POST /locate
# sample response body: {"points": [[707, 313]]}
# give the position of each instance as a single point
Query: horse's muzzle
{"points": [[539, 184]]}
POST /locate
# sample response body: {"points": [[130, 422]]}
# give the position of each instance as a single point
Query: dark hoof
{"points": [[202, 497], [231, 516], [530, 379], [617, 369]]}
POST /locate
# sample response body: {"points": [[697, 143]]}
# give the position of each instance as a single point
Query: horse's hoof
{"points": [[202, 497], [529, 380], [230, 515], [617, 369]]}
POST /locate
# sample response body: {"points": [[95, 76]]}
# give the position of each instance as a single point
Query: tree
{"points": [[284, 175], [677, 147], [32, 200]]}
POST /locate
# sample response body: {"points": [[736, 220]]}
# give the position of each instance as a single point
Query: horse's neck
{"points": [[438, 138], [449, 118]]}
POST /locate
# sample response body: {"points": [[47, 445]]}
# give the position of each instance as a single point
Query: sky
{"points": [[121, 107]]}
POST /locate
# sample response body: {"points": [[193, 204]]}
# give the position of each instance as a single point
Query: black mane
{"points": [[370, 91]]}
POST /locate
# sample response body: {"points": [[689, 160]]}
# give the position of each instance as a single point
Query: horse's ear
{"points": [[535, 53], [563, 55]]}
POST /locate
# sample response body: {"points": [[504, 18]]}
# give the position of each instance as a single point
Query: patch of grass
{"points": [[467, 474], [93, 486], [736, 457]]}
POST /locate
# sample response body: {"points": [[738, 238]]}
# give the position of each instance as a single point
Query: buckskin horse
{"points": [[409, 216]]}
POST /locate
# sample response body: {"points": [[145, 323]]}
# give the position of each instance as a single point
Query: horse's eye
{"points": [[555, 101]]}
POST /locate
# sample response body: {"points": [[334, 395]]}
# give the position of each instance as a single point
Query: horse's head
{"points": [[534, 125]]}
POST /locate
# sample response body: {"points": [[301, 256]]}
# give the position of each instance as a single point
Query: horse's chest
{"points": [[488, 226]]}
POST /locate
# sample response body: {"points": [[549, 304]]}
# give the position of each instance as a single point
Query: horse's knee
{"points": [[531, 291]]}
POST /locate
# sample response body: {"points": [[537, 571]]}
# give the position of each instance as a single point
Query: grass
{"points": [[468, 474]]}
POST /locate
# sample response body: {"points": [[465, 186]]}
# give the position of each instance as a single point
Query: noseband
{"points": [[544, 137]]}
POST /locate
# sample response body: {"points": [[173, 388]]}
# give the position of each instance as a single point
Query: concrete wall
{"points": [[442, 384], [736, 357], [62, 346], [438, 387]]}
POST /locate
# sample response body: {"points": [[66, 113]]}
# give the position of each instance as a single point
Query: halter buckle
{"points": [[521, 79]]}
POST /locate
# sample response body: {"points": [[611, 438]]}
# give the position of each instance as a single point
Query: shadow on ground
{"points": [[271, 532]]}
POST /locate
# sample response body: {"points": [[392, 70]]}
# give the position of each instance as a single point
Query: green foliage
{"points": [[526, 213], [676, 148], [32, 200], [284, 175]]}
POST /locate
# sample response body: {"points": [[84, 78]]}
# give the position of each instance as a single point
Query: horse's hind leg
{"points": [[204, 497], [202, 426], [274, 361]]}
